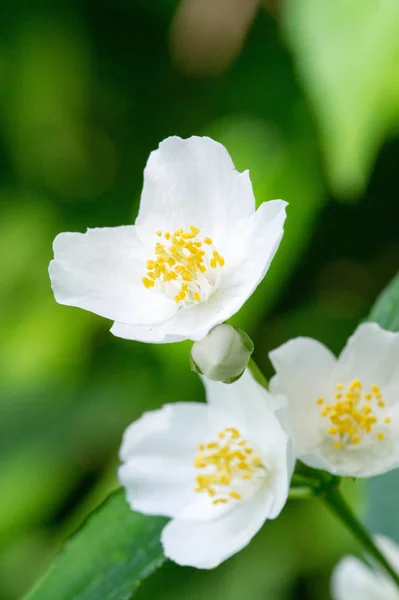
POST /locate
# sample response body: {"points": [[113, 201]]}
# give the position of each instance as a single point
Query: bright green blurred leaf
{"points": [[383, 491], [347, 56], [107, 558]]}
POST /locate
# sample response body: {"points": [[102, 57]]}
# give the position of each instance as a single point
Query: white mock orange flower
{"points": [[219, 470], [354, 580], [343, 413], [196, 253]]}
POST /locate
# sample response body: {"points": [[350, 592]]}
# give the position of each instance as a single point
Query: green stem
{"points": [[299, 493], [336, 503], [299, 480], [257, 373]]}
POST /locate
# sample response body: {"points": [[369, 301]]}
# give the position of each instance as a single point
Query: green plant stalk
{"points": [[299, 480], [334, 500], [300, 493]]}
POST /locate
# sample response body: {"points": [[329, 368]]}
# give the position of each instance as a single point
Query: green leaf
{"points": [[385, 311], [382, 492], [346, 55], [107, 558]]}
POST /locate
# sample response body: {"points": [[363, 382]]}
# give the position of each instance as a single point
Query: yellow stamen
{"points": [[184, 261], [234, 432], [227, 461], [353, 415], [199, 461], [235, 495], [148, 283]]}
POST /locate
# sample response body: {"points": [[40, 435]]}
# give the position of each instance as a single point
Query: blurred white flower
{"points": [[223, 354], [353, 580], [219, 470], [196, 253], [343, 413]]}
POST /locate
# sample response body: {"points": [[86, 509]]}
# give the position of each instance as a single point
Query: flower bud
{"points": [[223, 354]]}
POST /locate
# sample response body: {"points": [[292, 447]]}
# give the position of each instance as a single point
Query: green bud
{"points": [[223, 354]]}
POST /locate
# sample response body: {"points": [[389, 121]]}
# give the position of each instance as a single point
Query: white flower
{"points": [[343, 413], [219, 470], [223, 354], [354, 580], [196, 253]]}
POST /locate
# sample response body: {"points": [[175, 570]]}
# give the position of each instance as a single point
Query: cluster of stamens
{"points": [[354, 414], [181, 260], [226, 465]]}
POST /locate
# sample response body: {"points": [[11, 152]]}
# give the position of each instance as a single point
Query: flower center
{"points": [[230, 468], [184, 267], [356, 415]]}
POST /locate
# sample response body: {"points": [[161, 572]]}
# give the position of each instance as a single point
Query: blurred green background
{"points": [[303, 93]]}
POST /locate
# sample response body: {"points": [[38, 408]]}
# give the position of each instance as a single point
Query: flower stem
{"points": [[337, 504], [300, 493], [257, 373], [299, 480]]}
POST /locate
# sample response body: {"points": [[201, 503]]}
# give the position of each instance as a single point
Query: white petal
{"points": [[303, 368], [316, 461], [101, 271], [206, 544], [370, 460], [169, 431], [353, 580], [371, 355], [191, 323], [157, 486], [351, 462], [250, 249], [151, 334], [252, 409], [158, 451], [200, 508], [194, 181], [390, 549]]}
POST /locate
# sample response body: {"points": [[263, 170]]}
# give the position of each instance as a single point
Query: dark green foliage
{"points": [[107, 558]]}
